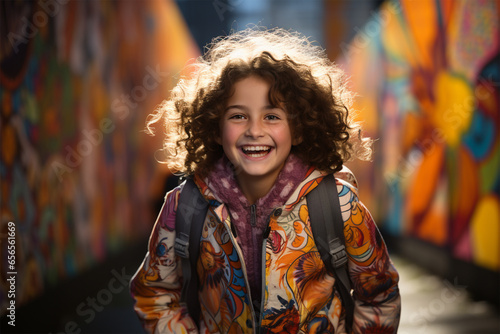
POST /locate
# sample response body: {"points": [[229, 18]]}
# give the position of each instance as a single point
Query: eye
{"points": [[272, 117], [236, 116]]}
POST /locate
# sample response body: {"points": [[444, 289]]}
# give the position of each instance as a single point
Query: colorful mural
{"points": [[427, 74], [78, 174]]}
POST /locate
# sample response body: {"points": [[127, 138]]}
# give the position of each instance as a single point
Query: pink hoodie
{"points": [[250, 221]]}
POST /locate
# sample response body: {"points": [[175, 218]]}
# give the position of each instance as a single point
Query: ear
{"points": [[297, 141]]}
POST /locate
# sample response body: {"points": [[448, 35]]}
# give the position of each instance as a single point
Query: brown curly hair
{"points": [[311, 88]]}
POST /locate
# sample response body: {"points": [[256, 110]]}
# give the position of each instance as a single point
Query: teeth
{"points": [[256, 151], [256, 148], [257, 155]]}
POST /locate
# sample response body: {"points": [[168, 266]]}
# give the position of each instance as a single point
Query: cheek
{"points": [[229, 142], [283, 136], [229, 136]]}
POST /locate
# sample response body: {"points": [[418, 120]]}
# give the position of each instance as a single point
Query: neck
{"points": [[255, 187]]}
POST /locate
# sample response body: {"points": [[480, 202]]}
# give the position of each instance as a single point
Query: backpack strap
{"points": [[328, 230], [191, 212]]}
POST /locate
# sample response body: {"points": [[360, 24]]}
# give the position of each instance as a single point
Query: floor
{"points": [[432, 305]]}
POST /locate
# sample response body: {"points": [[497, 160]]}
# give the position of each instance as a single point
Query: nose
{"points": [[255, 129]]}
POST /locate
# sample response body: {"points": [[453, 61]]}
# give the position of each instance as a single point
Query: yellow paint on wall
{"points": [[485, 232], [396, 42], [454, 106]]}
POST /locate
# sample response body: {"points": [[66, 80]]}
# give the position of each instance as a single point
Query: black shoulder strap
{"points": [[191, 211], [328, 229]]}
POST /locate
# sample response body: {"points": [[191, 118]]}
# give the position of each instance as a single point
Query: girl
{"points": [[258, 126]]}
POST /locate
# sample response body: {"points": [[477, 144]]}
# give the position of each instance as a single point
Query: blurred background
{"points": [[81, 185]]}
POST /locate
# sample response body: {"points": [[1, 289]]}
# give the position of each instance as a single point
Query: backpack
{"points": [[324, 206]]}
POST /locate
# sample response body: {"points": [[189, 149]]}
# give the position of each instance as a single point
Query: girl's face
{"points": [[255, 135]]}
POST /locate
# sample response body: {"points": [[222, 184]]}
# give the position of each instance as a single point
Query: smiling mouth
{"points": [[256, 151]]}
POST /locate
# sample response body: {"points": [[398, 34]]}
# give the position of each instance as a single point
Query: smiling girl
{"points": [[263, 119], [255, 137]]}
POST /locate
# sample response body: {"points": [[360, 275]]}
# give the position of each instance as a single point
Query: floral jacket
{"points": [[298, 294]]}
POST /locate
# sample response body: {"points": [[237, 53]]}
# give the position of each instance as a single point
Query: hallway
{"points": [[431, 305]]}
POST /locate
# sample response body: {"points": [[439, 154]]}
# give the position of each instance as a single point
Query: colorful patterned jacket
{"points": [[299, 295]]}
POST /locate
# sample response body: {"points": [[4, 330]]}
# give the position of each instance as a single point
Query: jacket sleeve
{"points": [[374, 278], [156, 286]]}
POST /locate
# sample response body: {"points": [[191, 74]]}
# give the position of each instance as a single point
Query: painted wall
{"points": [[427, 75], [78, 174]]}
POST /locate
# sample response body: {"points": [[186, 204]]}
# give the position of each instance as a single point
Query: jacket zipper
{"points": [[243, 268], [263, 279], [253, 223], [253, 215]]}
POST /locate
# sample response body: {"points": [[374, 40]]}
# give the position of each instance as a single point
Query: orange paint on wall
{"points": [[172, 28], [464, 194], [423, 34], [424, 185], [411, 130], [433, 227], [447, 9], [396, 43]]}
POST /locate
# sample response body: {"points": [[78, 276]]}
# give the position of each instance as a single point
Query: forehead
{"points": [[250, 87], [256, 89]]}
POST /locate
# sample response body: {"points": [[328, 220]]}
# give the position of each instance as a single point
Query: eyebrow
{"points": [[242, 107], [236, 106]]}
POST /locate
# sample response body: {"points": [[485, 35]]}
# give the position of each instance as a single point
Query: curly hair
{"points": [[311, 88]]}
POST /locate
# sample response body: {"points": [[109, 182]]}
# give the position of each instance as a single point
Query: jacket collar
{"points": [[220, 185]]}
